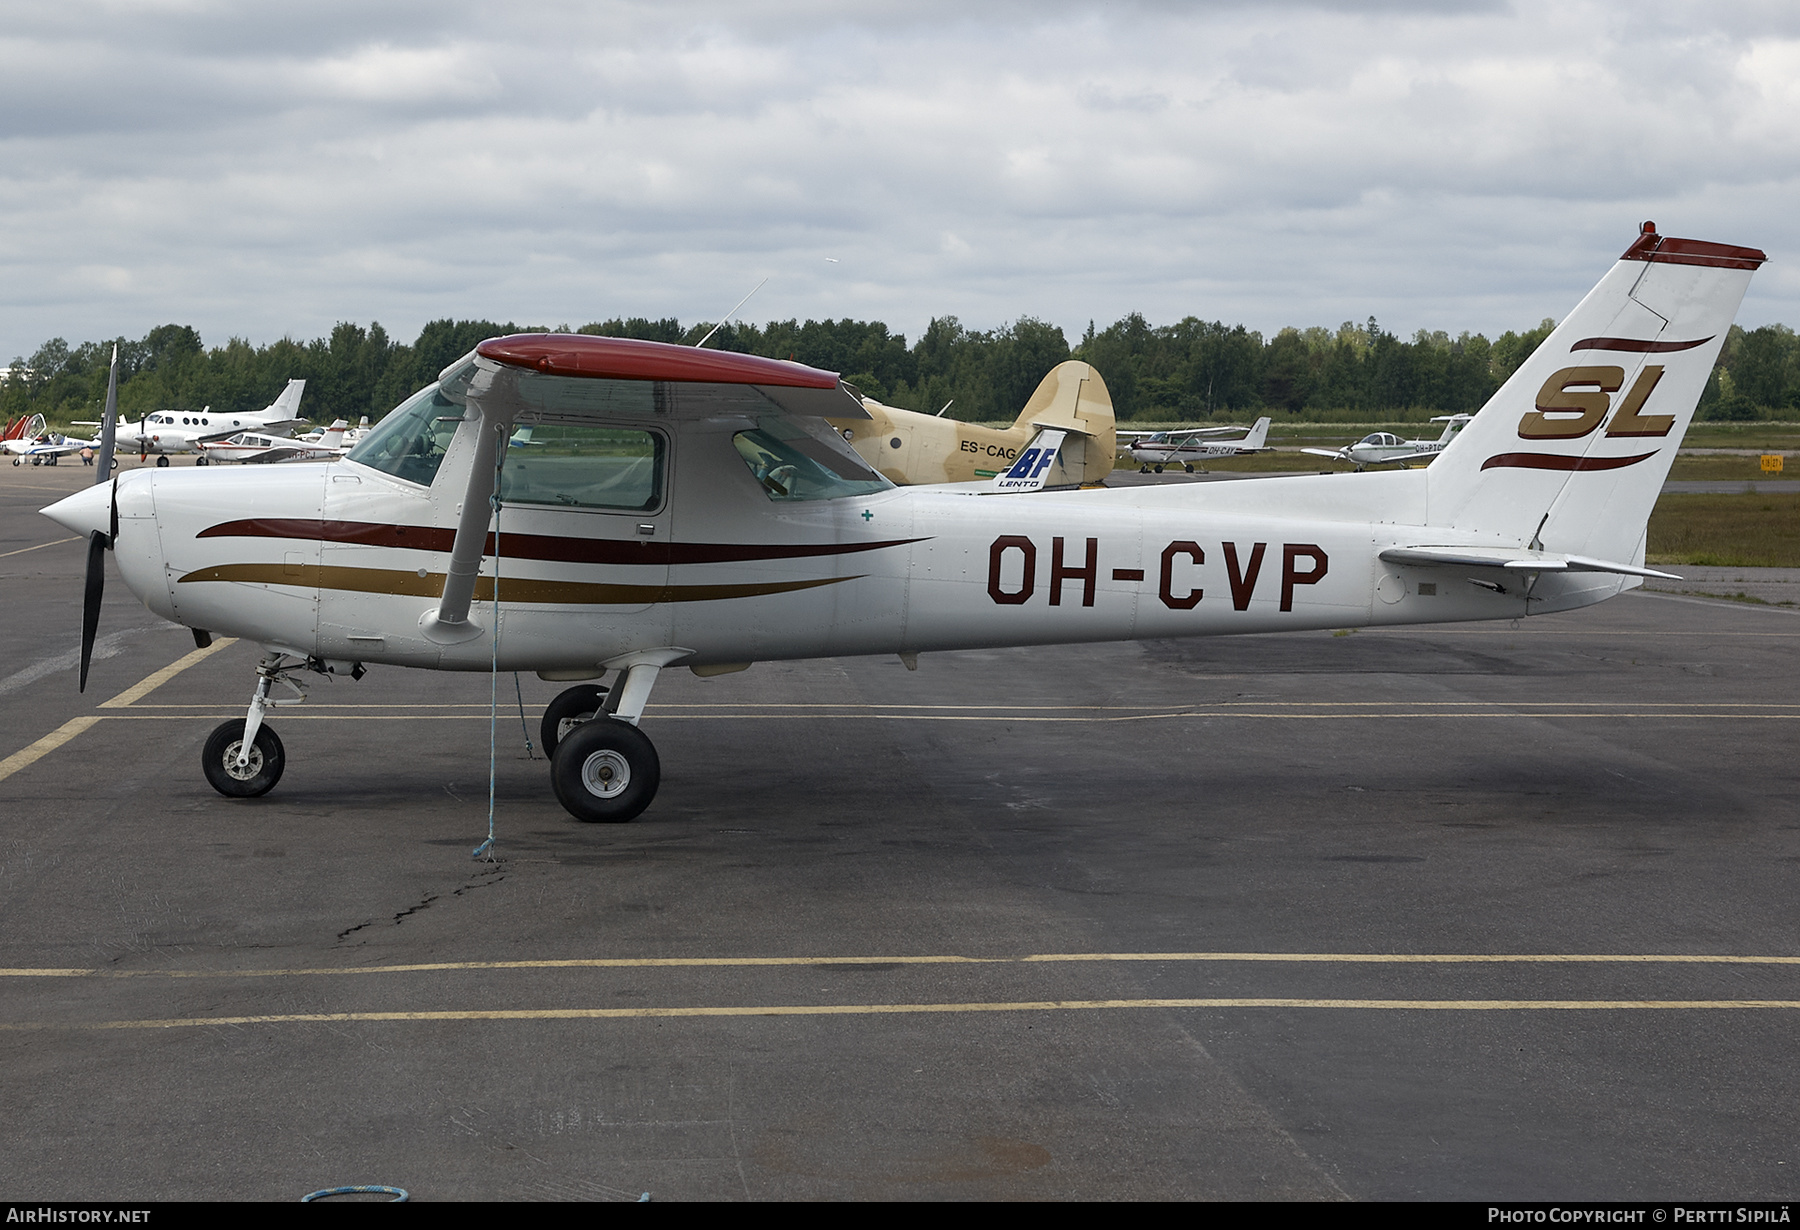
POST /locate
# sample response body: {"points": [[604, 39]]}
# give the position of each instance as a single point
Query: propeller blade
{"points": [[90, 600], [109, 422]]}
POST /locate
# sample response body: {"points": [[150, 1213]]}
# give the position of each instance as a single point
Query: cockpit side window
{"points": [[410, 442], [583, 465]]}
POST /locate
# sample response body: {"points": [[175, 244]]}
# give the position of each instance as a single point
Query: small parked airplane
{"points": [[1186, 446], [182, 431], [1382, 447], [908, 448], [695, 508], [248, 447], [28, 438]]}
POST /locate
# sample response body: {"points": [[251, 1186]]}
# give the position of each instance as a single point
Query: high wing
{"points": [[1185, 432]]}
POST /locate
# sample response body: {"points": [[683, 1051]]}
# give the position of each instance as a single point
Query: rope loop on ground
{"points": [[399, 1194]]}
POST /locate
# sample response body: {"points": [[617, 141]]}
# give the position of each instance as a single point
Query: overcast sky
{"points": [[260, 170]]}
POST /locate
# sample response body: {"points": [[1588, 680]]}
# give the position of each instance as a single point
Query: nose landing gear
{"points": [[244, 760]]}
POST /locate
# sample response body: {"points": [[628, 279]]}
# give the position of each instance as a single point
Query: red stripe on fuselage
{"points": [[535, 546]]}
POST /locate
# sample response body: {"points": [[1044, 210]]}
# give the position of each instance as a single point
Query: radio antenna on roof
{"points": [[730, 314]]}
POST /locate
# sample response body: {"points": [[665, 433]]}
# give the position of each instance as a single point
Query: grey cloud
{"points": [[266, 172]]}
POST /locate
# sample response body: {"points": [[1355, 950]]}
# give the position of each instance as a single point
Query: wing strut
{"points": [[450, 622]]}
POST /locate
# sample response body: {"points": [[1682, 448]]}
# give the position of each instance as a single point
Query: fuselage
{"points": [[341, 561]]}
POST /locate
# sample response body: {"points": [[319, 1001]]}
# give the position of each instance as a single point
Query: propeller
{"points": [[98, 543]]}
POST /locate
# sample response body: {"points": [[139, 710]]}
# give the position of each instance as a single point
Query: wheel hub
{"points": [[244, 772], [606, 774]]}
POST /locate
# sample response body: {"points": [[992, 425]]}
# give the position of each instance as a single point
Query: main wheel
{"points": [[219, 760], [200, 460], [1187, 468], [570, 709], [605, 771], [163, 460]]}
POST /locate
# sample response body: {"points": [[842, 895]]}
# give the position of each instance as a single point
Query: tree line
{"points": [[1192, 370]]}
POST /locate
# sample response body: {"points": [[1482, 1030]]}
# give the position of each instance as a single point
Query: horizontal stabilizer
{"points": [[1514, 559]]}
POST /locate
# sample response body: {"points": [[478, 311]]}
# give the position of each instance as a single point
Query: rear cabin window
{"points": [[574, 465], [791, 463]]}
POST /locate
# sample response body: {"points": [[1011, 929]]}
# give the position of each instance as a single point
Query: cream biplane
{"points": [[682, 507]]}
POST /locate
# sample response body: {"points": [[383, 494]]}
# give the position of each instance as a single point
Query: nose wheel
{"points": [[259, 771]]}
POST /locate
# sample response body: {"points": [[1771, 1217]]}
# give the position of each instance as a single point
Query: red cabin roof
{"points": [[623, 358]]}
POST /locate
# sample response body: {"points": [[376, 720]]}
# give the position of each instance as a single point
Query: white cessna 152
{"points": [[1185, 447], [690, 507]]}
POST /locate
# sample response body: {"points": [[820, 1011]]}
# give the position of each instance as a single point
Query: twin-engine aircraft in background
{"points": [[182, 431], [1189, 446], [1384, 447], [683, 507], [908, 448]]}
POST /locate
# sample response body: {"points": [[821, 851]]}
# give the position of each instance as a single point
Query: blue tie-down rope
{"points": [[398, 1193]]}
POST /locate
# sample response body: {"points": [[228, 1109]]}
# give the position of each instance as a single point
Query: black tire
{"points": [[1187, 469], [219, 761], [200, 460], [570, 709], [162, 459], [605, 772]]}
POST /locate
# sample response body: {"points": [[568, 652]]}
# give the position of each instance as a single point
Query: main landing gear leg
{"points": [[606, 770], [243, 760]]}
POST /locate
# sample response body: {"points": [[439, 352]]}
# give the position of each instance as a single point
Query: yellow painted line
{"points": [[57, 543], [1665, 715], [1043, 1005], [1314, 958], [153, 681], [43, 747], [74, 726]]}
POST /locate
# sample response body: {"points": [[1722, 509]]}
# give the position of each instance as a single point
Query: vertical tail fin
{"points": [[1571, 453], [287, 406], [1073, 397], [1259, 434]]}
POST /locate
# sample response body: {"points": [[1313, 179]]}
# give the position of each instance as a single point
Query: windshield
{"points": [[410, 442]]}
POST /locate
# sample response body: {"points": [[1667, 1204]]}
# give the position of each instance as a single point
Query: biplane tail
{"points": [[1073, 399]]}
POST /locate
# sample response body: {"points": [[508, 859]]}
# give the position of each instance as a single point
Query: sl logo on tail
{"points": [[1567, 393]]}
